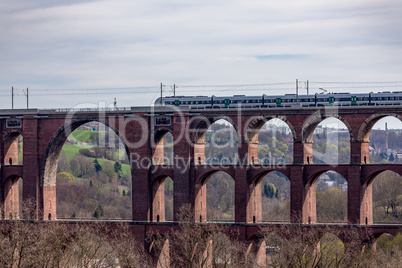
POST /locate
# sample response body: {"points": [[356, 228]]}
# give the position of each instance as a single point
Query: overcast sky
{"points": [[63, 45]]}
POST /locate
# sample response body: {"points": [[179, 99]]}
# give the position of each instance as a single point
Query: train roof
{"points": [[286, 96]]}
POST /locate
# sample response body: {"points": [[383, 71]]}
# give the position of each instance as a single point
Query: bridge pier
{"points": [[359, 152], [360, 202], [258, 250], [183, 162], [302, 153], [33, 189]]}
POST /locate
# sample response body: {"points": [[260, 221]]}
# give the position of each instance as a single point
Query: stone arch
{"points": [[202, 153], [311, 212], [50, 161], [328, 245], [378, 241], [202, 124], [221, 249], [384, 187], [274, 241], [253, 133], [314, 120], [330, 145], [159, 199], [12, 197], [258, 249], [11, 148], [316, 173], [255, 124], [261, 205], [372, 174], [201, 195], [159, 156], [159, 248], [367, 125]]}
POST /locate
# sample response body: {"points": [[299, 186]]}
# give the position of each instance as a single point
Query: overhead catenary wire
{"points": [[184, 89]]}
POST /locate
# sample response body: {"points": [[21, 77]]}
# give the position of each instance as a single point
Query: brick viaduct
{"points": [[142, 129]]}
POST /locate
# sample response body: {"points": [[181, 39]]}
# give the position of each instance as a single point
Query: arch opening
{"points": [[327, 196], [274, 243], [215, 199], [13, 149], [221, 250], [331, 249], [386, 141], [386, 195], [163, 199], [86, 161], [163, 151], [331, 142], [221, 143], [275, 197], [275, 143], [389, 248], [13, 199]]}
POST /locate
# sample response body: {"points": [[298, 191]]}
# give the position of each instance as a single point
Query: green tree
{"points": [[66, 176], [97, 166], [94, 137], [108, 168], [270, 190], [117, 167], [331, 205], [98, 212]]}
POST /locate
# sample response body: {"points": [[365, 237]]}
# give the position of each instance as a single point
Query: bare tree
{"points": [[387, 189], [200, 245]]}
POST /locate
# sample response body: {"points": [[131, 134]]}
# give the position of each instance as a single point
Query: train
{"points": [[287, 100]]}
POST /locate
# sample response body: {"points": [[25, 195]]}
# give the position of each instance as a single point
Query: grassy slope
{"points": [[125, 168], [80, 135], [83, 136], [70, 150]]}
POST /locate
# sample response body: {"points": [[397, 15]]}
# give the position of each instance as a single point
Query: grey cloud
{"points": [[128, 43]]}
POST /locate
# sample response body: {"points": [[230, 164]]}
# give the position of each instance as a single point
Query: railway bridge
{"points": [[141, 130]]}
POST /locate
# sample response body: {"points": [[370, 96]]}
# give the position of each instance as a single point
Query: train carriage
{"points": [[288, 100]]}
